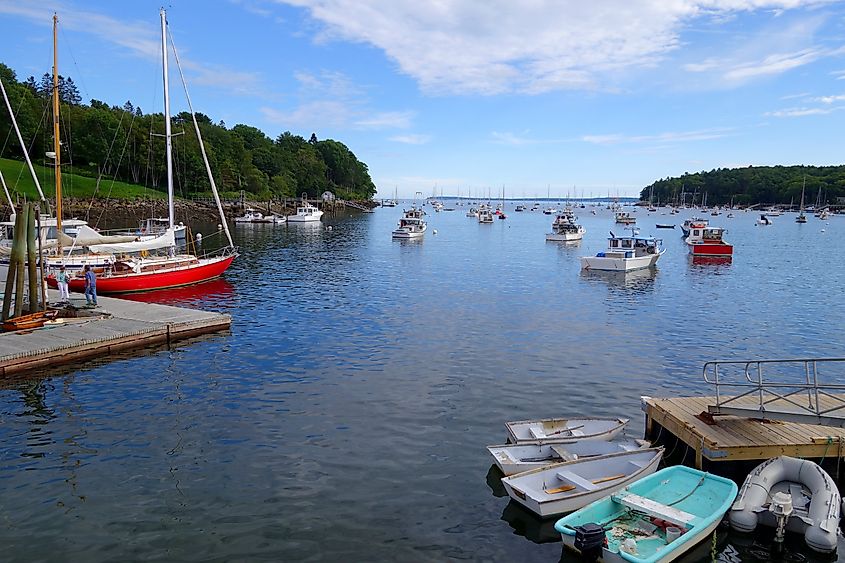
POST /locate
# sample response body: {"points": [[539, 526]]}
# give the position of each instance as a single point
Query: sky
{"points": [[473, 97]]}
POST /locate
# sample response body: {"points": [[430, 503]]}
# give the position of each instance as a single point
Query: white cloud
{"points": [[772, 64], [666, 137], [411, 139], [508, 138], [326, 113], [498, 46], [387, 120], [800, 112], [831, 99]]}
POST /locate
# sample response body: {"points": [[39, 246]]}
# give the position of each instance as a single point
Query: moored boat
{"points": [[305, 213], [800, 491], [686, 225], [253, 216], [485, 215], [625, 254], [564, 487], [517, 458], [764, 220], [565, 229], [658, 518], [705, 240], [411, 225], [625, 218], [556, 430]]}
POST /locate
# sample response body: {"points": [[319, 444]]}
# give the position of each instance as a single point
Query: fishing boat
{"points": [[625, 254], [656, 519], [686, 225], [565, 229], [625, 218], [798, 491], [411, 225], [564, 487], [305, 213], [557, 430], [141, 271], [764, 220], [705, 240], [253, 216], [517, 458], [485, 215]]}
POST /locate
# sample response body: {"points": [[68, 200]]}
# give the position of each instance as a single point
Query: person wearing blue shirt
{"points": [[90, 286]]}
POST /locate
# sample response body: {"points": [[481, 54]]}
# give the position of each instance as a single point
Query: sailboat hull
{"points": [[205, 269]]}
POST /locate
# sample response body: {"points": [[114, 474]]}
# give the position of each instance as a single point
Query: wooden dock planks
{"points": [[131, 325], [735, 438]]}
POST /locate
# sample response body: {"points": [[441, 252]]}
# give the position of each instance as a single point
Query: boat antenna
{"points": [[202, 146]]}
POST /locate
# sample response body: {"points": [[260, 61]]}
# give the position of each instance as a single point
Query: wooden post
{"points": [[31, 260], [42, 281], [20, 266], [18, 241]]}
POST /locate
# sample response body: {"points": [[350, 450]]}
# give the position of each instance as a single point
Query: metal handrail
{"points": [[769, 391]]}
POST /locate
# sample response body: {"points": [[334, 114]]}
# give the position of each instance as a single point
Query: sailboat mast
{"points": [[57, 146], [168, 141]]}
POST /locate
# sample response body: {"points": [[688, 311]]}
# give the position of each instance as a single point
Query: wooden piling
{"points": [[32, 259]]}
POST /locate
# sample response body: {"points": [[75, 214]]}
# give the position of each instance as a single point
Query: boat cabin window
{"points": [[614, 243], [696, 232], [626, 243]]}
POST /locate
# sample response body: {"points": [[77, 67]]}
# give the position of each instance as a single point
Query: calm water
{"points": [[345, 416]]}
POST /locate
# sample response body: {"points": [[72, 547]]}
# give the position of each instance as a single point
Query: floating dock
{"points": [[119, 325], [716, 440]]}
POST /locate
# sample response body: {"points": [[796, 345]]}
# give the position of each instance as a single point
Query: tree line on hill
{"points": [[751, 185], [124, 143]]}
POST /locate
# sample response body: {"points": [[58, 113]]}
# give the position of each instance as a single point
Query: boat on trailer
{"points": [[658, 518], [517, 458], [557, 430], [564, 487]]}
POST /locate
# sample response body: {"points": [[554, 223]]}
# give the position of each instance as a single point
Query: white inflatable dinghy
{"points": [[814, 497]]}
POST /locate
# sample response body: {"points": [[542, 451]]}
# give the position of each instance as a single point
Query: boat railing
{"points": [[806, 390]]}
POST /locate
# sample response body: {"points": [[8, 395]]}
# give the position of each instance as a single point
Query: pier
{"points": [[117, 325], [777, 407]]}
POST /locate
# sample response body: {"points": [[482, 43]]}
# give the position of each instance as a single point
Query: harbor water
{"points": [[345, 417]]}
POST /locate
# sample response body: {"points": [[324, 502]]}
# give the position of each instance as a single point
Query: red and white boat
{"points": [[135, 269], [706, 240]]}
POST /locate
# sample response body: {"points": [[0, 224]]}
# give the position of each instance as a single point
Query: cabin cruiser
{"points": [[473, 212], [625, 254], [565, 229], [305, 213], [485, 215], [411, 225], [705, 240]]}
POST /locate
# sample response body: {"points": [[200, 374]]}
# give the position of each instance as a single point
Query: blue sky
{"points": [[470, 95]]}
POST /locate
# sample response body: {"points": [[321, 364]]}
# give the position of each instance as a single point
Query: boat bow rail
{"points": [[802, 390]]}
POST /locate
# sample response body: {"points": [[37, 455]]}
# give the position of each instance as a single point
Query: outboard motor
{"points": [[589, 540]]}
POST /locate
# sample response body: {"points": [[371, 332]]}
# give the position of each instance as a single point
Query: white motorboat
{"points": [[473, 212], [411, 225], [517, 458], [565, 229], [773, 212], [519, 208], [253, 216], [625, 218], [305, 213], [764, 221], [549, 211], [485, 215], [561, 430], [799, 491], [625, 254], [686, 226], [564, 487]]}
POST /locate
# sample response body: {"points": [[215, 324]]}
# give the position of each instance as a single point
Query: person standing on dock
{"points": [[90, 286], [61, 281]]}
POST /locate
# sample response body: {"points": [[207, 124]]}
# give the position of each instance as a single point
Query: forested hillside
{"points": [[754, 184], [124, 143]]}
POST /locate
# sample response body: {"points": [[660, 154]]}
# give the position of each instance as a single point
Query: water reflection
{"points": [[199, 295], [637, 281], [710, 260], [494, 481], [526, 524]]}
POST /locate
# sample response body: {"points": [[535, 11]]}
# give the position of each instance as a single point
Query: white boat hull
{"points": [[512, 458], [564, 430], [564, 237], [608, 264], [304, 218], [520, 488], [402, 233]]}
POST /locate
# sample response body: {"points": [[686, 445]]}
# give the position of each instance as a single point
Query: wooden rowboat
{"points": [[26, 322]]}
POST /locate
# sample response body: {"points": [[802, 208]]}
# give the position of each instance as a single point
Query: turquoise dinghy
{"points": [[658, 518]]}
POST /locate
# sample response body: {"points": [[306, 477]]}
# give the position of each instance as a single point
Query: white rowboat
{"points": [[562, 430], [517, 458]]}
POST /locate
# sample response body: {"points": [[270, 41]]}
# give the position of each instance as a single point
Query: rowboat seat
{"points": [[566, 475], [576, 433], [656, 509], [536, 432]]}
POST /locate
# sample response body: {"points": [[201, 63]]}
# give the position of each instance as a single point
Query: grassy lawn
{"points": [[19, 181]]}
